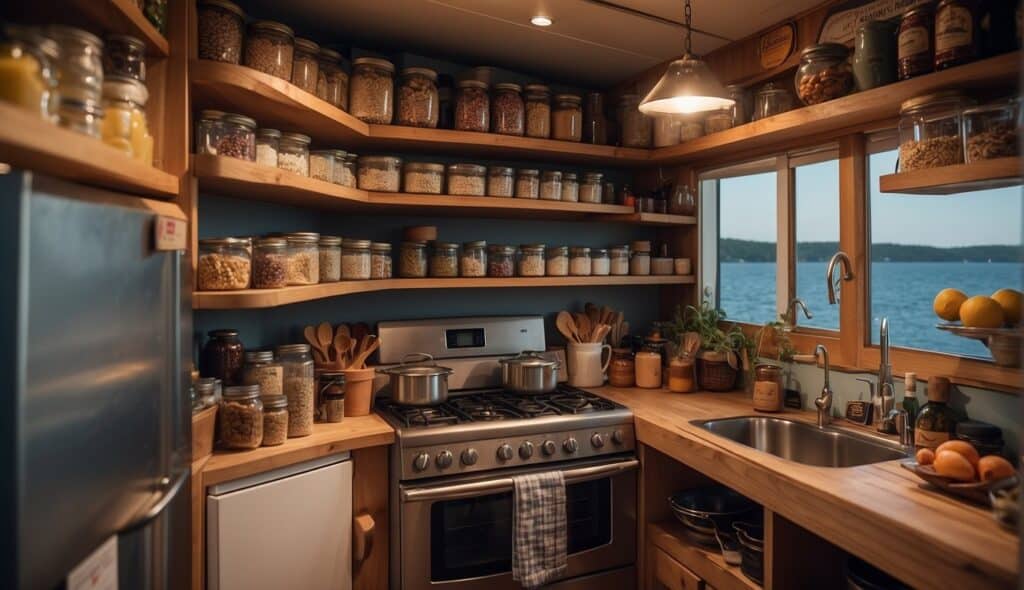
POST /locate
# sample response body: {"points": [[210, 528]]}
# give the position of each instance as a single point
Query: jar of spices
{"points": [[371, 90], [957, 24], [472, 107], [473, 262], [303, 258], [267, 145], [208, 132], [380, 173], [551, 185], [990, 131], [500, 181], [640, 264], [237, 137], [531, 260], [915, 51], [78, 64], [85, 117], [579, 261], [348, 170], [824, 74], [412, 263], [418, 103], [600, 263], [667, 130], [508, 113], [305, 67], [772, 100], [648, 369], [591, 188], [528, 183], [718, 121], [221, 357], [275, 419], [270, 263], [124, 121], [299, 387], [768, 390], [444, 262], [619, 260], [570, 187], [595, 124], [681, 375], [538, 111], [240, 417], [423, 178], [930, 130], [355, 260], [874, 55], [329, 258], [467, 179], [690, 130], [321, 165], [608, 193], [124, 55], [380, 260], [29, 77], [567, 118], [636, 127], [501, 261], [224, 264], [261, 369], [741, 107], [621, 368], [331, 396], [269, 48], [557, 261], [331, 79]]}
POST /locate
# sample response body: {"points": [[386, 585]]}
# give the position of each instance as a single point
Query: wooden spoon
{"points": [[309, 332], [600, 333], [342, 344], [583, 327], [566, 326], [325, 336], [593, 313], [343, 329], [359, 331], [371, 343]]}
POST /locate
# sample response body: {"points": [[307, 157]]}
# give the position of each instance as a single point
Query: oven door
{"points": [[458, 534]]}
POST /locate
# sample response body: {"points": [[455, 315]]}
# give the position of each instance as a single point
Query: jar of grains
{"points": [[261, 369], [929, 129], [600, 263], [329, 248], [418, 103], [501, 261], [412, 260], [345, 174], [303, 258], [508, 113], [444, 262], [551, 185], [240, 417], [957, 28], [472, 107], [267, 145], [538, 111], [990, 131], [330, 386], [667, 130], [331, 79], [473, 262], [237, 137], [557, 264], [570, 187], [915, 53], [78, 63], [690, 130], [636, 127], [528, 183], [269, 48], [293, 154], [531, 260], [338, 171], [595, 123], [372, 90], [423, 178], [224, 264], [305, 67], [208, 131], [640, 264], [125, 55], [579, 261], [380, 260], [380, 173], [270, 263], [467, 179], [567, 118], [500, 181], [321, 165], [772, 100], [299, 387], [718, 121], [275, 419], [355, 260], [619, 260], [591, 187], [824, 73]]}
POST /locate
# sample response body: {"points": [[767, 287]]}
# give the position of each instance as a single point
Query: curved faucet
{"points": [[842, 259], [824, 401], [791, 311]]}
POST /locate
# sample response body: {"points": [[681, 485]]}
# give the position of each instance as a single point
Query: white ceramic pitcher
{"points": [[588, 363]]}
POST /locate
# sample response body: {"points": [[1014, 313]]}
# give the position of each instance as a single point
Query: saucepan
{"points": [[706, 511], [529, 373], [418, 380]]}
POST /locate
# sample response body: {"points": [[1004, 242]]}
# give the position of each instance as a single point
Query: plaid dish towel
{"points": [[539, 548]]}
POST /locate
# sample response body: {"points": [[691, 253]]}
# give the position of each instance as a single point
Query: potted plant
{"points": [[724, 348]]}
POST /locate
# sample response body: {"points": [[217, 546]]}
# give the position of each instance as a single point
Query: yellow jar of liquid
{"points": [[125, 126], [23, 80]]}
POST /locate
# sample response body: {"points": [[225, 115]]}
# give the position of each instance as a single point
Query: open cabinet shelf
{"points": [[100, 17], [709, 564], [949, 180]]}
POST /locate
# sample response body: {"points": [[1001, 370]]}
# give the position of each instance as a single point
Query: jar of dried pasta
{"points": [[380, 173], [557, 264], [538, 111], [472, 106], [570, 187], [371, 90], [444, 262], [567, 118], [531, 260], [299, 385], [269, 48], [380, 260], [591, 188], [636, 127], [501, 261], [473, 261], [270, 263], [551, 185], [305, 67], [321, 165], [508, 113], [412, 260], [224, 264], [331, 80], [467, 180], [330, 259], [423, 178], [303, 258], [293, 153], [528, 183], [579, 261], [355, 260], [501, 181], [418, 104]]}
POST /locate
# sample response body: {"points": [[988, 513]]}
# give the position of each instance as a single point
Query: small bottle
{"points": [[936, 423], [910, 403]]}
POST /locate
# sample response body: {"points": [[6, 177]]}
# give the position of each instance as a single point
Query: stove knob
{"points": [[469, 456], [617, 437], [570, 445], [504, 452], [526, 450], [444, 460], [549, 447], [421, 462], [597, 441]]}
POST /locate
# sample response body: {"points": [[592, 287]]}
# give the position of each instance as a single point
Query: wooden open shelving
{"points": [[223, 175], [663, 219], [948, 180], [706, 563], [496, 206], [100, 17]]}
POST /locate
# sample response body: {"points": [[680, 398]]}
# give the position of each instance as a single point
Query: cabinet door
{"points": [[673, 575]]}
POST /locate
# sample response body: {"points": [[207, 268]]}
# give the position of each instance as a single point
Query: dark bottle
{"points": [[936, 423], [221, 357], [446, 106], [595, 124], [910, 403]]}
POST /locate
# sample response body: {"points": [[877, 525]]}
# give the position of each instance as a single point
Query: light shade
{"points": [[687, 86], [541, 20]]}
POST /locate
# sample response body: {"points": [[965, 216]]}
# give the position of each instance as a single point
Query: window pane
{"points": [[921, 245], [746, 247], [817, 239]]}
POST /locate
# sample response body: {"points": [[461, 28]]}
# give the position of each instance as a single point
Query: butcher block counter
{"points": [[879, 512]]}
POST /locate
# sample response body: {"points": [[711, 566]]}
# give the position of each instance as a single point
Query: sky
{"points": [[971, 219]]}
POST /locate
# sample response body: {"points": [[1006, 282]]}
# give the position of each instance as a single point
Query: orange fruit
{"points": [[1011, 300], [947, 304], [982, 312]]}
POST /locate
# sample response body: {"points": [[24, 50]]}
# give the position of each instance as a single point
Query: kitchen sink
{"points": [[804, 443]]}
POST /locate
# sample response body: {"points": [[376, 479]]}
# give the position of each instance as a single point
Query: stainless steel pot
{"points": [[418, 383], [529, 373]]}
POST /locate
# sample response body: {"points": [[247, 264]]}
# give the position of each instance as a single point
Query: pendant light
{"points": [[688, 86]]}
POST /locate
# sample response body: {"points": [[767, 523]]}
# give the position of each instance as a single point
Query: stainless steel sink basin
{"points": [[804, 443]]}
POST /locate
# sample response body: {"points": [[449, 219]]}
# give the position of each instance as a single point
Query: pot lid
{"points": [[529, 358], [423, 366]]}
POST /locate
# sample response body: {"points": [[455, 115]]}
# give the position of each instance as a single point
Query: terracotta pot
{"points": [[358, 391]]}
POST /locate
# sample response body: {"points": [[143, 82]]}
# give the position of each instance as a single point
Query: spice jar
{"points": [[567, 118], [619, 260], [331, 79], [444, 262], [418, 102], [570, 187], [681, 377], [621, 369], [929, 129], [293, 154], [240, 417], [261, 369], [538, 111], [299, 387], [237, 137], [874, 55], [508, 113], [412, 262], [208, 391], [124, 121], [557, 261], [990, 131], [600, 263], [467, 180], [472, 106], [772, 100], [640, 264], [380, 260], [608, 193], [28, 77], [303, 258], [423, 178], [768, 391], [224, 264], [528, 183], [741, 107], [371, 90], [78, 64], [579, 261], [636, 127], [648, 369], [824, 73], [667, 131], [595, 124], [329, 258], [592, 188], [957, 23], [208, 132], [305, 67], [501, 261], [269, 48], [355, 260], [270, 263], [473, 262], [718, 121], [379, 173], [222, 357], [551, 185], [267, 145], [321, 165], [915, 51], [690, 130], [275, 419], [531, 260], [124, 55], [500, 181]]}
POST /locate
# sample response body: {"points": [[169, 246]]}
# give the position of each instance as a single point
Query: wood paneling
{"points": [[370, 497], [962, 178], [673, 575], [799, 558], [854, 320]]}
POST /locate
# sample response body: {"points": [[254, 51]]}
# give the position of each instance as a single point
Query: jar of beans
{"points": [[412, 260], [269, 48], [331, 79], [570, 187], [372, 88], [636, 127], [500, 181], [303, 258], [501, 261], [208, 132], [567, 118], [418, 103], [240, 417], [557, 264], [293, 153], [508, 113], [538, 111], [579, 261], [528, 183], [224, 264], [619, 256], [330, 259], [472, 107], [270, 263], [380, 173], [237, 137], [531, 260], [551, 185], [221, 358], [444, 262], [423, 178], [268, 142], [305, 67], [473, 262], [380, 260], [221, 28], [355, 260], [591, 187], [600, 263], [467, 179], [321, 165]]}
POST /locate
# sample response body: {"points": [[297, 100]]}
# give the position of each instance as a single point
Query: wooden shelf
{"points": [[669, 536], [100, 17], [30, 143], [949, 180], [263, 298], [497, 206], [223, 175], [657, 219]]}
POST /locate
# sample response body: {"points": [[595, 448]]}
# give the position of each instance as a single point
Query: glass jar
{"points": [[299, 387], [551, 185], [500, 181], [331, 80], [355, 260], [303, 258], [206, 392], [915, 52], [25, 72], [473, 262], [640, 264], [557, 261], [124, 55], [501, 261], [619, 260], [305, 67], [224, 264], [636, 127], [768, 388], [567, 118], [682, 201], [156, 13], [221, 357], [417, 98], [270, 263], [124, 121], [267, 145], [467, 179], [240, 417], [591, 188], [293, 154], [423, 178], [321, 165], [957, 24], [570, 187], [444, 262], [741, 108], [472, 106], [380, 260], [690, 130], [538, 111], [237, 137], [608, 193], [990, 131], [380, 173], [412, 262], [445, 101], [718, 121], [600, 263], [81, 116], [528, 183], [579, 261], [221, 30], [531, 260], [344, 169], [275, 419], [330, 387], [595, 123], [329, 258], [667, 131], [269, 48], [208, 132], [79, 65], [874, 55], [508, 113], [929, 129], [622, 368], [372, 90], [261, 369], [824, 74], [772, 100]]}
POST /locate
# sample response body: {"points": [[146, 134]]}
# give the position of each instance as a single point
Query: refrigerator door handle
{"points": [[157, 509]]}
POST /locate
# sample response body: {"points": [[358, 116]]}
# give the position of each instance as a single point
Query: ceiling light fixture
{"points": [[688, 85], [541, 21]]}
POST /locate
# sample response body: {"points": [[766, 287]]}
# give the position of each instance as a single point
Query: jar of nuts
{"points": [[321, 165], [990, 131], [380, 260], [551, 185], [224, 264], [473, 262], [567, 118], [379, 173], [371, 90], [500, 181], [557, 264], [240, 417], [418, 104], [579, 261], [293, 153], [269, 48], [412, 260], [329, 248], [528, 183], [270, 263], [355, 260], [538, 111], [332, 80], [501, 261], [208, 132], [772, 100], [221, 29], [423, 178], [472, 107], [303, 258], [467, 179], [824, 73], [591, 188], [531, 260], [444, 262], [299, 387], [305, 67], [508, 113], [237, 137], [930, 131], [268, 143], [636, 127], [570, 187]]}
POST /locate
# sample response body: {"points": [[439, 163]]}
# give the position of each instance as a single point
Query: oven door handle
{"points": [[507, 484]]}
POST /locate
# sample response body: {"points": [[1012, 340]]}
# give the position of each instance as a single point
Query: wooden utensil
{"points": [[343, 328], [370, 344], [600, 333], [359, 331], [309, 332], [583, 327], [566, 326], [342, 344], [325, 336], [593, 313]]}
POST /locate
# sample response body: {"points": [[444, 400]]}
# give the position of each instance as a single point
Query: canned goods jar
{"points": [[261, 369], [412, 261], [224, 264], [619, 260], [636, 127], [423, 178], [528, 183], [208, 131], [418, 102], [305, 67], [473, 261], [380, 260], [600, 263], [557, 261], [467, 180], [237, 137], [824, 74], [592, 188], [270, 263], [551, 185], [329, 258], [379, 173], [990, 131], [531, 260], [303, 258], [508, 113], [579, 261], [915, 52], [538, 111], [930, 130], [240, 417], [221, 30], [567, 118], [355, 260], [293, 153], [269, 48], [444, 262], [321, 165], [267, 145], [957, 24], [500, 181], [472, 106], [371, 90], [275, 419], [299, 387], [570, 187]]}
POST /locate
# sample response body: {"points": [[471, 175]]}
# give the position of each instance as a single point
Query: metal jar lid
{"points": [[353, 244], [475, 245], [509, 86], [832, 50], [566, 176], [537, 89], [445, 246], [223, 333], [380, 247], [229, 6], [224, 242], [269, 133], [241, 392], [472, 84], [306, 45], [432, 167], [414, 245], [330, 241], [329, 55], [556, 251], [424, 367], [599, 253], [298, 138], [379, 160], [529, 358], [259, 356], [205, 387], [592, 177], [532, 248], [770, 89], [242, 120], [302, 237], [340, 155], [425, 72], [945, 98], [271, 243], [501, 249], [501, 171], [552, 175], [291, 349], [274, 401], [211, 115], [467, 169], [375, 62], [570, 98], [528, 172], [579, 251], [64, 34], [272, 26]]}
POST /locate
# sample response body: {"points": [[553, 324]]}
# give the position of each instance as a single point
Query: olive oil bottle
{"points": [[910, 403], [936, 423]]}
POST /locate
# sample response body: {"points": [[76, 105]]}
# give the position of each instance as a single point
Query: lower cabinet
{"points": [[671, 575]]}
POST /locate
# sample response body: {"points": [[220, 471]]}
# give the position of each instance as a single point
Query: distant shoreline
{"points": [[732, 250]]}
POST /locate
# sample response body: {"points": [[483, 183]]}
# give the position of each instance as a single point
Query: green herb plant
{"points": [[717, 335]]}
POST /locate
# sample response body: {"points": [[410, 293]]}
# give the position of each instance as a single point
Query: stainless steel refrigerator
{"points": [[95, 418]]}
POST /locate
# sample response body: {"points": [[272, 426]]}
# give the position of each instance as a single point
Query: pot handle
{"points": [[422, 356], [608, 361]]}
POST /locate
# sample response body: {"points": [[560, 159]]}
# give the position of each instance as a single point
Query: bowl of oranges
{"points": [[994, 320]]}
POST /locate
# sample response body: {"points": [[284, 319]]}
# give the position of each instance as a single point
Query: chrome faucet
{"points": [[824, 401], [791, 311], [843, 260], [886, 387]]}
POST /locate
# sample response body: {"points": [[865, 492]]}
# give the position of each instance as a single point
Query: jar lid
{"points": [[329, 55], [355, 244], [475, 245], [837, 50], [770, 89], [351, 157], [236, 119], [599, 252], [467, 169], [205, 387], [296, 138], [126, 89], [271, 243], [331, 375], [274, 401], [593, 177], [528, 172], [223, 242], [579, 251], [532, 247], [978, 430], [573, 98], [619, 249], [558, 251], [999, 105], [472, 84], [424, 167], [418, 245], [424, 368], [340, 155], [259, 356], [223, 333], [133, 42], [552, 175], [230, 6], [380, 247], [425, 72], [306, 45], [266, 132], [501, 249], [925, 9], [211, 115], [537, 89], [270, 25], [445, 246], [374, 61], [947, 98], [529, 358], [508, 86], [379, 160], [292, 349], [241, 392], [63, 34], [641, 246], [568, 176], [322, 153], [330, 241], [302, 237], [501, 171]]}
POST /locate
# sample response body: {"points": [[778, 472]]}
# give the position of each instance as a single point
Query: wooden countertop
{"points": [[879, 511]]}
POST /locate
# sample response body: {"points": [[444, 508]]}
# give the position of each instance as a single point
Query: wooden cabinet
{"points": [[672, 575]]}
